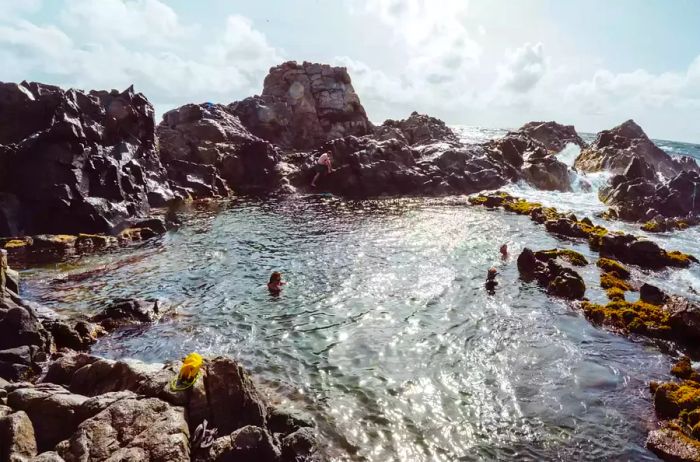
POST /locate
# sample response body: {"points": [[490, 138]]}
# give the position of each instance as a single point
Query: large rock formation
{"points": [[74, 162], [304, 105], [638, 195], [613, 149], [552, 135], [207, 150]]}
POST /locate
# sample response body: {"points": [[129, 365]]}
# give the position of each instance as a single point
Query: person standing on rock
{"points": [[322, 165]]}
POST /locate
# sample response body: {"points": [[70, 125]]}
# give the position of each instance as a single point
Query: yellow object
{"points": [[189, 372]]}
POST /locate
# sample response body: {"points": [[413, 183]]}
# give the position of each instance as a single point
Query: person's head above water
{"points": [[275, 277], [492, 273], [504, 249]]}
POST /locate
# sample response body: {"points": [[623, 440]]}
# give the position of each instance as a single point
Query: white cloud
{"points": [[440, 49], [636, 91], [524, 68], [114, 43]]}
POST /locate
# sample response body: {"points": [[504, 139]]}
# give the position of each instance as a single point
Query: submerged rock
{"points": [[130, 312]]}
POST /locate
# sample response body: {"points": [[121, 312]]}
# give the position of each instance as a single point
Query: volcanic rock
{"points": [[552, 135], [303, 106], [614, 149], [74, 161]]}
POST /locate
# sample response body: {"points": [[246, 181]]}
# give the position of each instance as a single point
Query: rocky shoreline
{"points": [[89, 171]]}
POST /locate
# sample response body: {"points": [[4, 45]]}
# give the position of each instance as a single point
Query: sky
{"points": [[491, 63]]}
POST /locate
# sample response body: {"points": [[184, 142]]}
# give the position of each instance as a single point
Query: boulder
{"points": [[209, 138], [552, 135], [53, 410], [20, 363], [684, 319], [672, 445], [62, 369], [17, 443], [299, 446], [303, 106], [127, 312], [416, 129], [75, 161], [249, 443], [651, 294], [79, 337], [547, 173], [144, 429], [559, 280], [233, 401], [614, 149]]}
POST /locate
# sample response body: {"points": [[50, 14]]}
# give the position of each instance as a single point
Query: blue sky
{"points": [[493, 63]]}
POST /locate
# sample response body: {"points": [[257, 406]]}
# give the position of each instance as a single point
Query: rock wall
{"points": [[207, 151], [303, 106], [72, 161]]}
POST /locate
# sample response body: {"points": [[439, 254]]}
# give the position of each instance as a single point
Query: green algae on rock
{"points": [[573, 257], [614, 267], [625, 247]]}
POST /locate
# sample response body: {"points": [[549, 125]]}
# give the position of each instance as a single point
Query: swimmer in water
{"points": [[504, 251], [276, 283], [491, 282]]}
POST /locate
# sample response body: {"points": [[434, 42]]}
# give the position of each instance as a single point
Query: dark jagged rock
{"points": [[557, 279], [74, 161], [129, 312], [303, 106], [416, 129], [614, 149], [207, 145], [637, 195], [79, 337], [552, 135]]}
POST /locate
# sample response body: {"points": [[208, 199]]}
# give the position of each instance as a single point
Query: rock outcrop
{"points": [[303, 106], [637, 195], [552, 135], [207, 151], [417, 129], [556, 278], [614, 149], [72, 161]]}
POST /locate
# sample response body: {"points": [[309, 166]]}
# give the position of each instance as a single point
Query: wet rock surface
{"points": [[552, 135], [614, 149], [556, 278]]}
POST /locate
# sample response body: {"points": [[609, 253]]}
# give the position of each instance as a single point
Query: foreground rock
{"points": [[678, 405], [304, 105], [74, 162], [614, 149]]}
